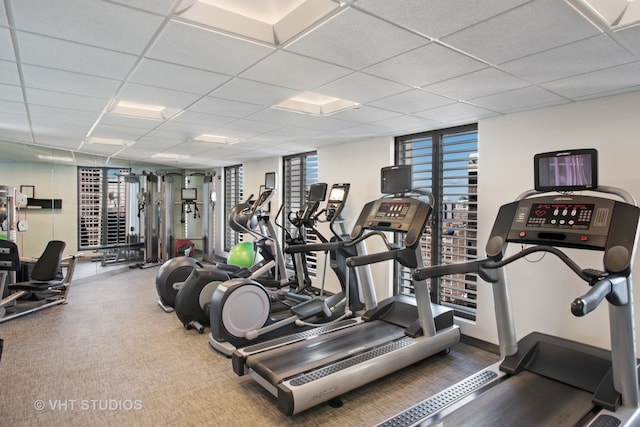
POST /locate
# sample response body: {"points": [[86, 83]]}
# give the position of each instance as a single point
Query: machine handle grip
{"points": [[359, 260], [589, 301], [443, 270], [309, 247]]}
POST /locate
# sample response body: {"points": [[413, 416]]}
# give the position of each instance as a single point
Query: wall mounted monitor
{"points": [[567, 170], [189, 194], [395, 179]]}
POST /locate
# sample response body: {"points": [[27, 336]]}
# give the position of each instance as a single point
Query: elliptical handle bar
{"points": [[330, 246]]}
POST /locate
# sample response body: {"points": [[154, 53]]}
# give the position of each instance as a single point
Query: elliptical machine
{"points": [[194, 295], [244, 311]]}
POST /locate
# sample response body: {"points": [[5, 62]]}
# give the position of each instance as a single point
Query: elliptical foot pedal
{"points": [[195, 325]]}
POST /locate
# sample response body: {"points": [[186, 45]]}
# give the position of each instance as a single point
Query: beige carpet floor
{"points": [[112, 357]]}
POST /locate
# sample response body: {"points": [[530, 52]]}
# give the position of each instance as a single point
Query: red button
{"points": [[522, 234], [584, 238]]}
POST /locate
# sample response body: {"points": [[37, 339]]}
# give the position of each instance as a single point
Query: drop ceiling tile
{"points": [[411, 101], [362, 88], [192, 148], [177, 77], [436, 18], [51, 125], [224, 107], [144, 94], [141, 125], [253, 92], [326, 124], [569, 60], [189, 129], [294, 71], [428, 64], [456, 113], [630, 38], [281, 117], [68, 82], [409, 124], [101, 150], [3, 16], [356, 40], [201, 119], [11, 108], [151, 144], [92, 22], [69, 56], [161, 7], [6, 45], [16, 133], [598, 83], [11, 93], [477, 84], [103, 130], [195, 47], [66, 100], [251, 126], [365, 114], [527, 98], [534, 27], [361, 132], [62, 113], [9, 73]]}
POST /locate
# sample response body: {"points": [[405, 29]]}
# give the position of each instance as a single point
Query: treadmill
{"points": [[387, 337], [544, 380]]}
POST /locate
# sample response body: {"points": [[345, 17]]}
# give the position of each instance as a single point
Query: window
{"points": [[445, 163], [233, 185], [103, 196], [300, 171]]}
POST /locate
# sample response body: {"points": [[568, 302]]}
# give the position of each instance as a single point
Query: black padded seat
{"points": [[44, 275]]}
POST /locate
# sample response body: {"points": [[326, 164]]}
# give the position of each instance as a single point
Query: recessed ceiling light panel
{"points": [[269, 21], [316, 104], [143, 111]]}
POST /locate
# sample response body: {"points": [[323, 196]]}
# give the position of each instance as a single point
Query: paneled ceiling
{"points": [[411, 65]]}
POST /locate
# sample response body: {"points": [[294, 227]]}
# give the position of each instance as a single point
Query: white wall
{"points": [[359, 164], [50, 181], [542, 290]]}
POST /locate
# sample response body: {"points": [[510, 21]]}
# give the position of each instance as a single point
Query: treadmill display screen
{"points": [[561, 215], [392, 210]]}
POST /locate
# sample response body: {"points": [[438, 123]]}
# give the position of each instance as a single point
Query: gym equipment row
{"points": [[568, 382]]}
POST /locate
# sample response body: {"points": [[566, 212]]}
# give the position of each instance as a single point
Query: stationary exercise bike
{"points": [[244, 311], [194, 295]]}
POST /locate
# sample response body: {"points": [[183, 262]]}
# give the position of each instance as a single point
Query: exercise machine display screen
{"points": [[392, 210], [561, 215], [395, 179], [337, 194], [570, 170]]}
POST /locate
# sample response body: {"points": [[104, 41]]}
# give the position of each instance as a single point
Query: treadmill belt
{"points": [[289, 360], [526, 399]]}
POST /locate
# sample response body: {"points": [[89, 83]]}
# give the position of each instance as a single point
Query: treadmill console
{"points": [[561, 220], [398, 214]]}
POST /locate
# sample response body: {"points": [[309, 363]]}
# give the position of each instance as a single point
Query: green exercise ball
{"points": [[242, 255]]}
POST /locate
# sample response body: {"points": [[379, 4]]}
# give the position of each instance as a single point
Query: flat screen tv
{"points": [[567, 170]]}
